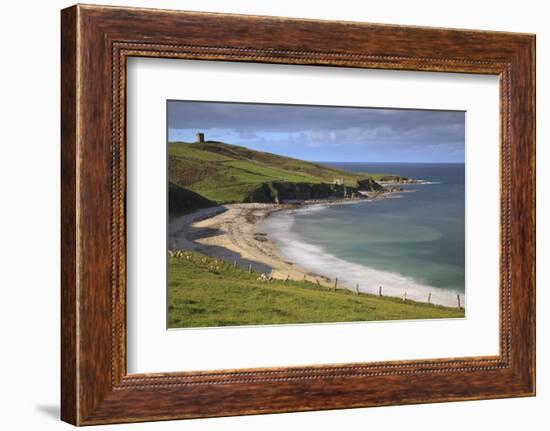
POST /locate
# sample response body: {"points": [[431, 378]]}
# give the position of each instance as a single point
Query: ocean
{"points": [[409, 244]]}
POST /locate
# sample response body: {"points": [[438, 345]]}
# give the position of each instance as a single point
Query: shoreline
{"points": [[230, 233]]}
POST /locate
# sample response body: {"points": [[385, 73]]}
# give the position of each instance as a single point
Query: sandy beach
{"points": [[230, 232]]}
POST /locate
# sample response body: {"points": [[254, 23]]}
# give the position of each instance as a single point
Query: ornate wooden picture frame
{"points": [[96, 41]]}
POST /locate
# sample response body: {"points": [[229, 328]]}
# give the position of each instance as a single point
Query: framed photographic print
{"points": [[287, 215]]}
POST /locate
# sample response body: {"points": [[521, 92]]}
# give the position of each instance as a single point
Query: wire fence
{"points": [[329, 283]]}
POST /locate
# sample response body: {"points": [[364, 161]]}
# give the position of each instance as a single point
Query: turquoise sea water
{"points": [[412, 241]]}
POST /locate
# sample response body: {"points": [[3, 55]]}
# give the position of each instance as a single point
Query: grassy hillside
{"points": [[204, 291], [224, 173]]}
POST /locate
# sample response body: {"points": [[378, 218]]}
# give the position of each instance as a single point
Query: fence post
{"points": [[357, 288], [458, 299], [249, 268], [317, 281], [429, 297], [234, 263], [379, 290], [335, 283], [405, 296]]}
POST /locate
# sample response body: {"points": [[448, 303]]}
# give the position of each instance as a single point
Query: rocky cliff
{"points": [[279, 192]]}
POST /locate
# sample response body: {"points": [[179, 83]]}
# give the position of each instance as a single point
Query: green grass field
{"points": [[204, 292], [224, 173]]}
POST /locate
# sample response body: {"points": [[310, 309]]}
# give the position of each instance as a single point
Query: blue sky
{"points": [[319, 133]]}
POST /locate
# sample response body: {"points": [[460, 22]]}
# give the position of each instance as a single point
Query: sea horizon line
{"points": [[387, 163]]}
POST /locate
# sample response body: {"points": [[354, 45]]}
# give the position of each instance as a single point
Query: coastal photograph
{"points": [[304, 214]]}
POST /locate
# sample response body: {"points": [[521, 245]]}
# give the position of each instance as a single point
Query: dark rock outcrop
{"points": [[369, 185], [396, 179]]}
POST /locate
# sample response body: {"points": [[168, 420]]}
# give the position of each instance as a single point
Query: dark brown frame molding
{"points": [[95, 43]]}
